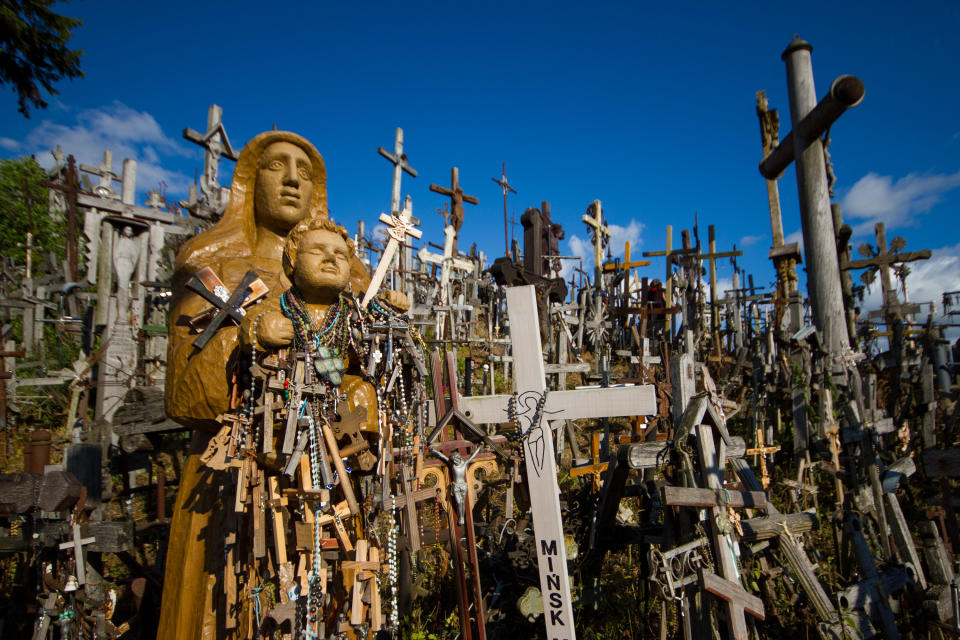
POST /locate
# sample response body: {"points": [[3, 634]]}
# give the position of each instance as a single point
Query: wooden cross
{"points": [[407, 500], [594, 468], [277, 501], [763, 451], [77, 545], [399, 226], [882, 260], [669, 253], [400, 164], [457, 197], [360, 573], [538, 448], [712, 257], [225, 304], [506, 187], [627, 266], [594, 218]]}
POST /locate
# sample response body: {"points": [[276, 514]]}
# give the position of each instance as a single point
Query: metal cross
{"points": [[506, 187]]}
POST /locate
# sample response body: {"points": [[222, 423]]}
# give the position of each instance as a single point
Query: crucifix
{"points": [[215, 143], [594, 218], [530, 405], [763, 451], [208, 286], [457, 198], [596, 467], [399, 225], [77, 545], [505, 186]]}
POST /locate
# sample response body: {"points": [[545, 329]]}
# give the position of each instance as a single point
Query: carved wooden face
{"points": [[284, 187], [322, 268]]}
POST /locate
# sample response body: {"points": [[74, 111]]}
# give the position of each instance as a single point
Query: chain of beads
{"points": [[512, 415], [392, 558]]}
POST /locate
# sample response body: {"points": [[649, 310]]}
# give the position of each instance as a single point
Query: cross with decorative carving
{"points": [[594, 218], [763, 451], [399, 226]]}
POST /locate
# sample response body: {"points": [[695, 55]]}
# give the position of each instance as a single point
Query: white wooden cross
{"points": [[77, 544], [538, 447], [398, 227], [600, 231]]}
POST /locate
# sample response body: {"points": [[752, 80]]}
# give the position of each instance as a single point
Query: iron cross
{"points": [[506, 187]]}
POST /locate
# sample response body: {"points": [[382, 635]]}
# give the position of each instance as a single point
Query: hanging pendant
{"points": [[328, 366]]}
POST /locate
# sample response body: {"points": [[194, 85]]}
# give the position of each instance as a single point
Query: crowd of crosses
{"points": [[447, 439]]}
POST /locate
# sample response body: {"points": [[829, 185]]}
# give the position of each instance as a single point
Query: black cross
{"points": [[245, 293]]}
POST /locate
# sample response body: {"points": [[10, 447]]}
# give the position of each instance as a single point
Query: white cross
{"points": [[599, 233], [398, 227], [77, 544], [538, 447]]}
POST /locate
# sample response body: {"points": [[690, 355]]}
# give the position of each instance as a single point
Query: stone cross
{"points": [[505, 186], [77, 545], [106, 175], [399, 226], [216, 143], [538, 447], [594, 218]]}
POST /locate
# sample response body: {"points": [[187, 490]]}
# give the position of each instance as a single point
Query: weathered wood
{"points": [[766, 527], [902, 538], [939, 463], [19, 492], [693, 497], [649, 455], [570, 405]]}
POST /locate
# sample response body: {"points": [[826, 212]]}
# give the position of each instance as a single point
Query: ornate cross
{"points": [[763, 451], [398, 227], [594, 218]]}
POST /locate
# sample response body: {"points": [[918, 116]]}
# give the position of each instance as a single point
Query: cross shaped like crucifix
{"points": [[208, 286], [594, 468], [77, 545], [407, 500], [538, 447], [712, 257], [215, 143], [763, 451], [398, 227], [400, 164], [506, 187], [106, 175], [457, 197], [594, 218], [627, 266]]}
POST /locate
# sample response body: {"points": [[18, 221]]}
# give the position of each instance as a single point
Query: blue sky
{"points": [[648, 107]]}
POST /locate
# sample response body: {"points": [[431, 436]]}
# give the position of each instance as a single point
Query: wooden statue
{"points": [[279, 181]]}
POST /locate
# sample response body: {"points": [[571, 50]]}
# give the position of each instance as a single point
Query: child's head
{"points": [[316, 257]]}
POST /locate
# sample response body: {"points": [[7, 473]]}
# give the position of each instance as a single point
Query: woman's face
{"points": [[284, 187]]}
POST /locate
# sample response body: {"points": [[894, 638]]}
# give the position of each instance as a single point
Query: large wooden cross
{"points": [[400, 164], [712, 256], [627, 266], [538, 447], [506, 187], [669, 253], [399, 226], [600, 235]]}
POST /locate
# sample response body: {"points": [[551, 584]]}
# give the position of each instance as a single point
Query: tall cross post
{"points": [[506, 187], [457, 198], [538, 447], [600, 234], [216, 144], [400, 164]]}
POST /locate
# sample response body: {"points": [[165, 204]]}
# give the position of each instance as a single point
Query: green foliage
{"points": [[33, 50], [24, 204]]}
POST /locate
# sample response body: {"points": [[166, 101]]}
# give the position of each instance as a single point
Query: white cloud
{"points": [[796, 236], [747, 241], [126, 132], [9, 144], [875, 198]]}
